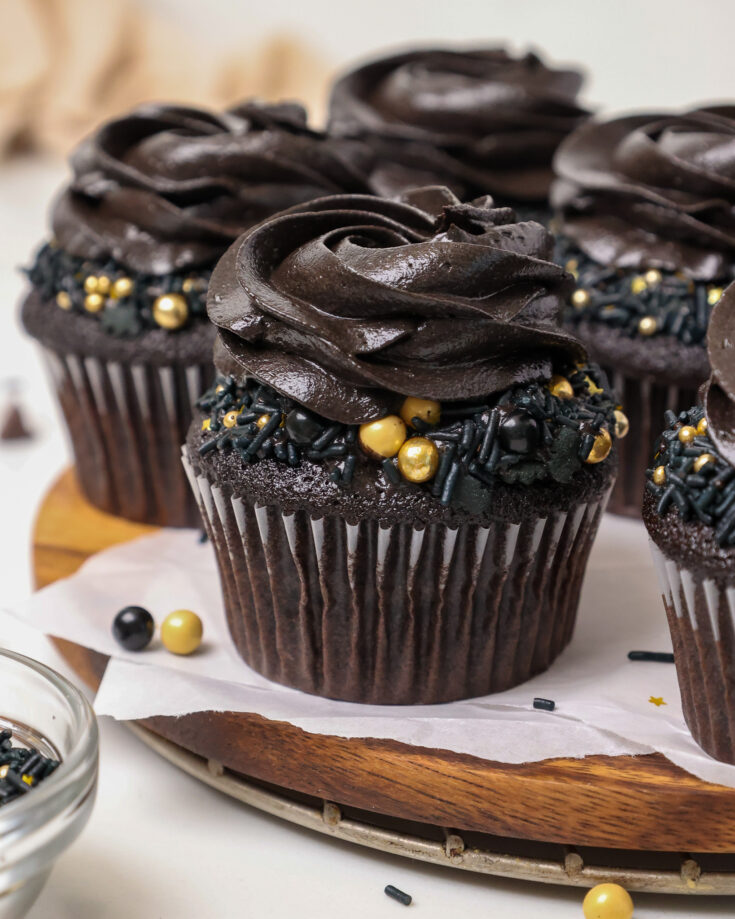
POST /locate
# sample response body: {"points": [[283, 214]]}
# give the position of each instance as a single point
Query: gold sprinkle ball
{"points": [[103, 285], [170, 311], [90, 284], [713, 295], [687, 434], [560, 387], [93, 303], [638, 285], [653, 277], [63, 300], [607, 901], [659, 475], [219, 387], [572, 266], [648, 325], [426, 409], [383, 438], [188, 284], [622, 425], [230, 419], [702, 426], [418, 459], [122, 287], [702, 461], [581, 298], [181, 632], [261, 422], [600, 448]]}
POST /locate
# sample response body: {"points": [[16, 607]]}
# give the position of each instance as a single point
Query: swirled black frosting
{"points": [[719, 391], [652, 190], [479, 121], [167, 188], [349, 302]]}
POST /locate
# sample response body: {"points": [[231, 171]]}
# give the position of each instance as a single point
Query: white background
{"points": [[160, 845]]}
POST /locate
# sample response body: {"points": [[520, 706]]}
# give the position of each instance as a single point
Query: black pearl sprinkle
{"points": [[519, 433], [133, 628]]}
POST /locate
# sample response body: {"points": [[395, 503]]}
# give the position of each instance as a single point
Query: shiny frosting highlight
{"points": [[480, 121], [349, 303], [652, 190], [719, 391], [167, 188]]}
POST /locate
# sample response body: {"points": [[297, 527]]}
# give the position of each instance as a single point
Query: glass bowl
{"points": [[45, 711]]}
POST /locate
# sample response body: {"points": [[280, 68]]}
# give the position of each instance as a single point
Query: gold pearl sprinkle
{"points": [[687, 434], [702, 426], [702, 460], [713, 295], [383, 438], [188, 284], [170, 311], [4, 770], [571, 265], [659, 475], [90, 284], [418, 459], [425, 409], [103, 285], [638, 285], [648, 325], [600, 448], [121, 288], [230, 419], [560, 387], [93, 303], [581, 298], [262, 421], [653, 277], [206, 424], [63, 300], [181, 632], [622, 425], [219, 387]]}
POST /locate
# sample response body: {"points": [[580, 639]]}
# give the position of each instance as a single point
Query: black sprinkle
{"points": [[547, 705], [396, 894], [663, 657]]}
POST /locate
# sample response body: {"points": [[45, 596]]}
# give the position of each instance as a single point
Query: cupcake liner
{"points": [[395, 615], [644, 402], [701, 615], [127, 423]]}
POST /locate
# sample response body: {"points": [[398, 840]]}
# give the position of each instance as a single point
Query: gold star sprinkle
{"points": [[658, 701]]}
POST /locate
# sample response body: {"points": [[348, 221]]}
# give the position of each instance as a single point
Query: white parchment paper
{"points": [[602, 699]]}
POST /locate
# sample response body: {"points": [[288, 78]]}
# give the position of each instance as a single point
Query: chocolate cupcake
{"points": [[478, 121], [405, 459], [118, 296], [689, 510], [647, 224]]}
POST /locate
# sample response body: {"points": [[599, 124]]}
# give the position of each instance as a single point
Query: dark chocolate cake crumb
{"points": [[530, 433], [638, 304], [689, 475], [124, 304]]}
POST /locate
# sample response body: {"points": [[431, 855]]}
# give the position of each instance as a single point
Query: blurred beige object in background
{"points": [[66, 65]]}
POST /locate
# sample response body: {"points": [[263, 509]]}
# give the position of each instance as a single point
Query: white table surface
{"points": [[160, 844]]}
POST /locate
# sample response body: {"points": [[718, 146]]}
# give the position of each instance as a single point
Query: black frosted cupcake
{"points": [[647, 224], [479, 121], [689, 510], [405, 459], [118, 296]]}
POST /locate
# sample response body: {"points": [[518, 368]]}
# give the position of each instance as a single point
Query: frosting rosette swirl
{"points": [[166, 187], [653, 190], [349, 303], [719, 391], [479, 121]]}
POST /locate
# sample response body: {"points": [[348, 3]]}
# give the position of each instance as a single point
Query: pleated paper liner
{"points": [[701, 615], [644, 402], [395, 615], [127, 423]]}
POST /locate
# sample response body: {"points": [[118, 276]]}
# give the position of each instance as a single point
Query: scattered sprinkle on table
{"points": [[399, 895], [547, 705], [658, 701], [663, 657]]}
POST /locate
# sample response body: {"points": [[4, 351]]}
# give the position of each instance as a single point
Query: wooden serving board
{"points": [[642, 803]]}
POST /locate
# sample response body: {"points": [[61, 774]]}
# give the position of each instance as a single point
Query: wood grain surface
{"points": [[625, 802]]}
